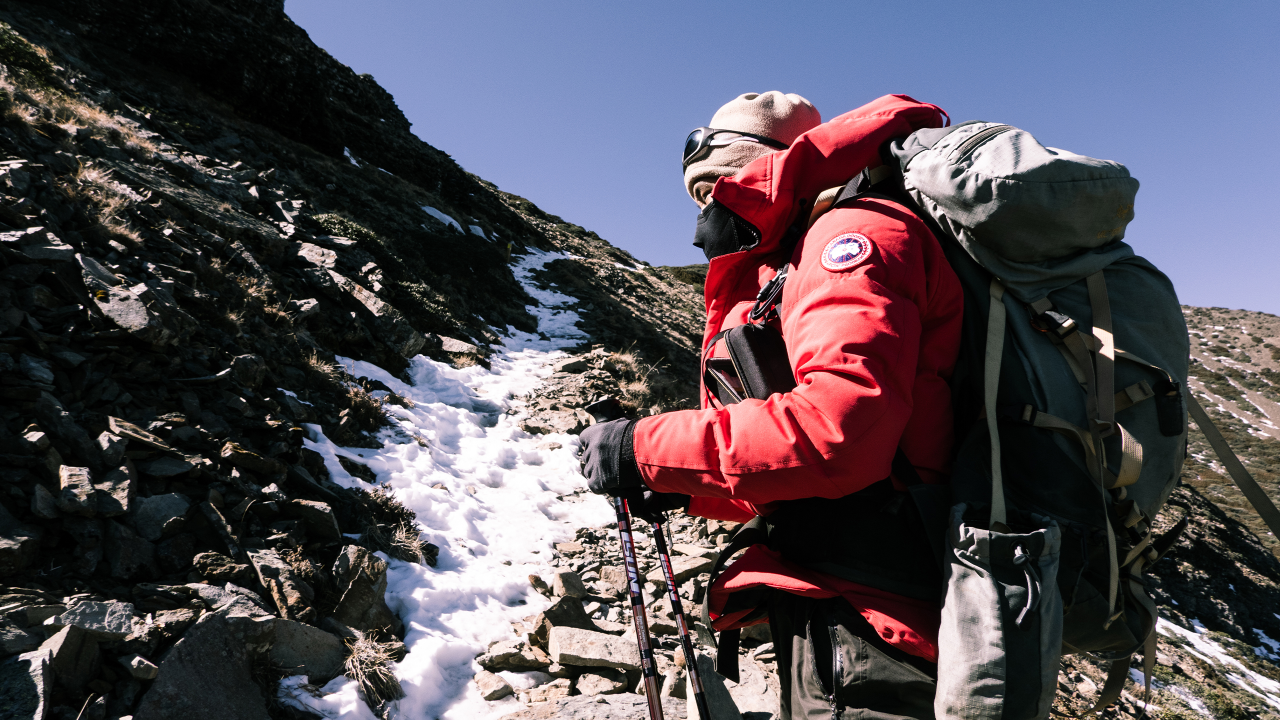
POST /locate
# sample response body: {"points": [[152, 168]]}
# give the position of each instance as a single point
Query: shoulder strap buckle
{"points": [[766, 307]]}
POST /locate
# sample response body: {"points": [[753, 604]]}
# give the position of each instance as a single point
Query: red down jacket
{"points": [[871, 341]]}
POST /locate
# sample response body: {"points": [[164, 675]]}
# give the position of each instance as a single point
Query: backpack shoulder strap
{"points": [[1254, 492]]}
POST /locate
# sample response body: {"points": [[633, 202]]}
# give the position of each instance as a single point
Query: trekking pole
{"points": [[604, 410], [677, 609]]}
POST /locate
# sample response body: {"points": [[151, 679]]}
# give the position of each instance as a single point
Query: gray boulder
{"points": [[102, 620], [292, 595], [318, 517], [19, 545], [74, 657], [567, 583], [127, 554], [492, 687], [26, 682], [307, 650], [160, 515], [14, 640], [596, 707], [571, 646], [232, 600], [363, 579], [208, 675]]}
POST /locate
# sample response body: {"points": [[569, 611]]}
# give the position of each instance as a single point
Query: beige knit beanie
{"points": [[773, 114]]}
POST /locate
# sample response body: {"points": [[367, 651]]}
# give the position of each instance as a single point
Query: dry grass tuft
{"points": [[645, 388], [367, 412], [369, 664]]}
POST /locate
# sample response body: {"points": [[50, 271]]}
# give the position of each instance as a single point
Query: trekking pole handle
{"points": [[605, 409], [682, 626]]}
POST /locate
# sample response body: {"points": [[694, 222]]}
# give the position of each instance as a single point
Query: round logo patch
{"points": [[845, 251]]}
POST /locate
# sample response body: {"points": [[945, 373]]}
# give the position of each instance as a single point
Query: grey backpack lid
{"points": [[1037, 217]]}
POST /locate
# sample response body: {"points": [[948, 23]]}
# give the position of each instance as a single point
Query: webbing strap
{"points": [[1256, 495], [1102, 330], [1133, 395], [1126, 355], [990, 388], [1130, 459]]}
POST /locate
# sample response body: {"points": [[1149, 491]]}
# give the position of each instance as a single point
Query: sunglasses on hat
{"points": [[701, 140]]}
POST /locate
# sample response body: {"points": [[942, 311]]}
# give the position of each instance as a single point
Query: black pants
{"points": [[833, 665]]}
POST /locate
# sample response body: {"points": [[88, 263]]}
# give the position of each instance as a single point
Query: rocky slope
{"points": [[187, 227]]}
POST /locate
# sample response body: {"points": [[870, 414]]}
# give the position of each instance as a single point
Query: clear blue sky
{"points": [[582, 107]]}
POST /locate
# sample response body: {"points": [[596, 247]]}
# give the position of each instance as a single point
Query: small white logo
{"points": [[845, 251]]}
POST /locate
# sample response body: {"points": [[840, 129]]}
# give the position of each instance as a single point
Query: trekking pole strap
{"points": [[1254, 492]]}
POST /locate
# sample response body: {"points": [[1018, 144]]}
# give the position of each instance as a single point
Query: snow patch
{"points": [[349, 156], [1200, 645], [487, 493], [447, 220], [477, 230]]}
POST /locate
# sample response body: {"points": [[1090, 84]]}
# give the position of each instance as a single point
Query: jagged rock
{"points": [[601, 682], [36, 243], [43, 504], [113, 447], [318, 517], [74, 657], [36, 369], [140, 667], [218, 568], [683, 567], [26, 682], [238, 456], [301, 649], [14, 640], [232, 600], [59, 423], [571, 365], [567, 583], [303, 309], [220, 527], [114, 493], [175, 554], [165, 467], [160, 515], [565, 612], [127, 554], [95, 272], [695, 551], [133, 433], [292, 595], [392, 327], [553, 690], [363, 579], [719, 701], [513, 655], [249, 370], [77, 491], [457, 347], [316, 255], [130, 313], [168, 625], [102, 620], [572, 646], [492, 687], [190, 687], [89, 536], [19, 545]]}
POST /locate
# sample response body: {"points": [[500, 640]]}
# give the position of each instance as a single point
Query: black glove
{"points": [[608, 458], [652, 505]]}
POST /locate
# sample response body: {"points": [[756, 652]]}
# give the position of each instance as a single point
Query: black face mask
{"points": [[720, 232]]}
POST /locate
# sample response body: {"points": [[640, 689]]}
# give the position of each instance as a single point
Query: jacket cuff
{"points": [[628, 471]]}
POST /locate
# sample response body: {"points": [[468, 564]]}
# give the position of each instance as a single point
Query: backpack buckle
{"points": [[1052, 321], [767, 299]]}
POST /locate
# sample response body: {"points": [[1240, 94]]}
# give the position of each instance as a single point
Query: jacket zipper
{"points": [[968, 146]]}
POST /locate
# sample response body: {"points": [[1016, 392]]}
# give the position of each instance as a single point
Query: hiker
{"points": [[871, 318]]}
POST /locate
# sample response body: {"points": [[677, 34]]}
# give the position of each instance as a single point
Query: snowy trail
{"points": [[487, 493]]}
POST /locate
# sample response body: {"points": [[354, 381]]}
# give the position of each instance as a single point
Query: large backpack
{"points": [[1071, 410], [1069, 396]]}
